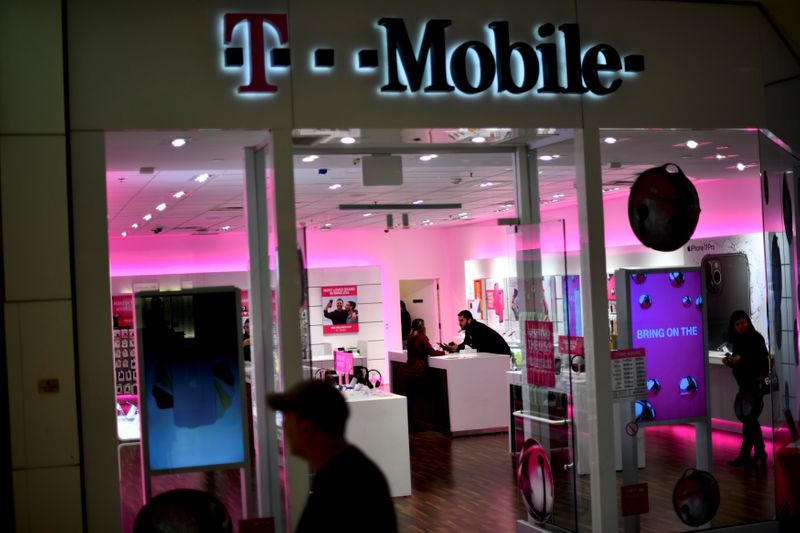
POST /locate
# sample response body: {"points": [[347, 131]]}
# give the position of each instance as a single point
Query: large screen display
{"points": [[190, 351], [666, 316]]}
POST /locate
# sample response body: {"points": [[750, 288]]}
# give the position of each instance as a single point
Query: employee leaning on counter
{"points": [[479, 336]]}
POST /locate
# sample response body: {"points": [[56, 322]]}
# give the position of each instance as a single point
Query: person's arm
{"points": [[430, 349]]}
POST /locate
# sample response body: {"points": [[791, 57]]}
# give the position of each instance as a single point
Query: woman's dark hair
{"points": [[352, 304], [417, 325], [735, 317]]}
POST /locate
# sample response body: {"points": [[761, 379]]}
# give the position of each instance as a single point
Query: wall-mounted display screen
{"points": [[666, 319], [191, 388]]}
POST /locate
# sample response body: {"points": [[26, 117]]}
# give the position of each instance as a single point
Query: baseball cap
{"points": [[316, 401]]}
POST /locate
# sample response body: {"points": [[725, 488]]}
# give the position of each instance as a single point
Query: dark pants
{"points": [[751, 430], [414, 386]]}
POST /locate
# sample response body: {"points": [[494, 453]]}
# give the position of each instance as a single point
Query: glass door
{"points": [[549, 365]]}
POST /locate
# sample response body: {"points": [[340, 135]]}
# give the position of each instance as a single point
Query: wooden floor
{"points": [[468, 484]]}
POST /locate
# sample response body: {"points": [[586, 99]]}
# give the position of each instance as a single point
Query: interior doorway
{"points": [[422, 301]]}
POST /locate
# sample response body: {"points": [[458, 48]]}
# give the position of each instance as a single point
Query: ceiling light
{"points": [[722, 147], [335, 186], [202, 178], [147, 217], [367, 215], [559, 195], [555, 156], [427, 222], [611, 189], [347, 140], [428, 157], [124, 234], [692, 144], [462, 215], [478, 139], [310, 158], [225, 228], [610, 140], [720, 156], [328, 225], [417, 202], [740, 167], [135, 225], [179, 194], [546, 157], [161, 206], [178, 142], [486, 184]]}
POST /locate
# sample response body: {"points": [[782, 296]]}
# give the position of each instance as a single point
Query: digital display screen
{"points": [[190, 351], [667, 321]]}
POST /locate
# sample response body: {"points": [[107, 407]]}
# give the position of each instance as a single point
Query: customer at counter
{"points": [[419, 349], [479, 336]]}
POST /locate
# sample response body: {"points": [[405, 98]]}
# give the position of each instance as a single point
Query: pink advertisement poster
{"points": [[339, 309], [540, 353], [122, 306]]}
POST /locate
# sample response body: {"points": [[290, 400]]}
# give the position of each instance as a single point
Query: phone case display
{"points": [[125, 371]]}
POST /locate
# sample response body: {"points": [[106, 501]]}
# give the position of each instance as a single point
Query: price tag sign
{"points": [[628, 374]]}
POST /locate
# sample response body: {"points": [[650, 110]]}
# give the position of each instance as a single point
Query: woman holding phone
{"points": [[750, 364], [419, 349]]}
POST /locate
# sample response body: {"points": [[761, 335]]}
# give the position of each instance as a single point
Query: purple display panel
{"points": [[667, 321]]}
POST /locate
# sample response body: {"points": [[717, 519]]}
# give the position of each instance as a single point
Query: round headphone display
{"points": [[374, 378]]}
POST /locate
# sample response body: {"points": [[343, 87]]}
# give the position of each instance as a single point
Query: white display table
{"points": [[477, 393], [378, 425]]}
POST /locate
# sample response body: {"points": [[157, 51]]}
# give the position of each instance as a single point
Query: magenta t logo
{"points": [[234, 56]]}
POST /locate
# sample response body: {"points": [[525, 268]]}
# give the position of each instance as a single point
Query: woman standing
{"points": [[750, 364], [419, 348]]}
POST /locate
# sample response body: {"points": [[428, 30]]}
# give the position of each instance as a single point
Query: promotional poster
{"points": [[667, 321], [540, 353], [339, 309], [191, 384]]}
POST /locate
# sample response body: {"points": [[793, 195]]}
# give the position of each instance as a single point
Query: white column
{"points": [[595, 308]]}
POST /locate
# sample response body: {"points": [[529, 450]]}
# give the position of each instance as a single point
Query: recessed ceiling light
{"points": [[347, 140], [328, 225], [610, 140], [124, 234], [692, 144], [179, 194], [428, 157], [135, 225], [462, 215], [555, 156], [147, 217], [202, 178], [225, 228], [367, 215], [335, 186], [486, 184], [559, 195], [310, 158], [546, 157], [720, 156], [427, 222], [178, 142], [417, 202], [161, 206], [479, 139], [740, 167]]}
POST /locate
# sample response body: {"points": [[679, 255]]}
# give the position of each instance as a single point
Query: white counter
{"points": [[477, 392], [378, 425]]}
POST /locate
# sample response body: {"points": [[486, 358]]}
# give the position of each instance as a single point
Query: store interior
{"points": [[447, 237]]}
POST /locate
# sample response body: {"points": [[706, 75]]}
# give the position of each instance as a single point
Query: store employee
{"points": [[479, 336]]}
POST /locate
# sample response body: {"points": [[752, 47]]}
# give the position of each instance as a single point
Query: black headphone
{"points": [[578, 363]]}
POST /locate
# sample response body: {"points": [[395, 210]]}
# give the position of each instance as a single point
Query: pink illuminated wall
{"points": [[729, 207]]}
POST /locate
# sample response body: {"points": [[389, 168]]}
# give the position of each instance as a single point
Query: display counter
{"points": [[378, 425], [722, 393], [464, 393]]}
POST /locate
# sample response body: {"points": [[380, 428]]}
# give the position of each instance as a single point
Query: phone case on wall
{"points": [[727, 289]]}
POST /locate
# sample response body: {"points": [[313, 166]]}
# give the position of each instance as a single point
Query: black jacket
{"points": [[755, 359], [484, 339]]}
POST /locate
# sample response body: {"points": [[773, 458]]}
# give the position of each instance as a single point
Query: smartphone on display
{"points": [[727, 289]]}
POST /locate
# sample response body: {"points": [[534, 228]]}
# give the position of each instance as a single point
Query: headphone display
{"points": [[696, 497], [535, 481], [578, 363]]}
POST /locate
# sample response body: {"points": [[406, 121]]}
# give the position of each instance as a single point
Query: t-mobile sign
{"points": [[666, 319]]}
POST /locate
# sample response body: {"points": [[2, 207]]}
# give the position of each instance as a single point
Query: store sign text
{"points": [[553, 63], [540, 64]]}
